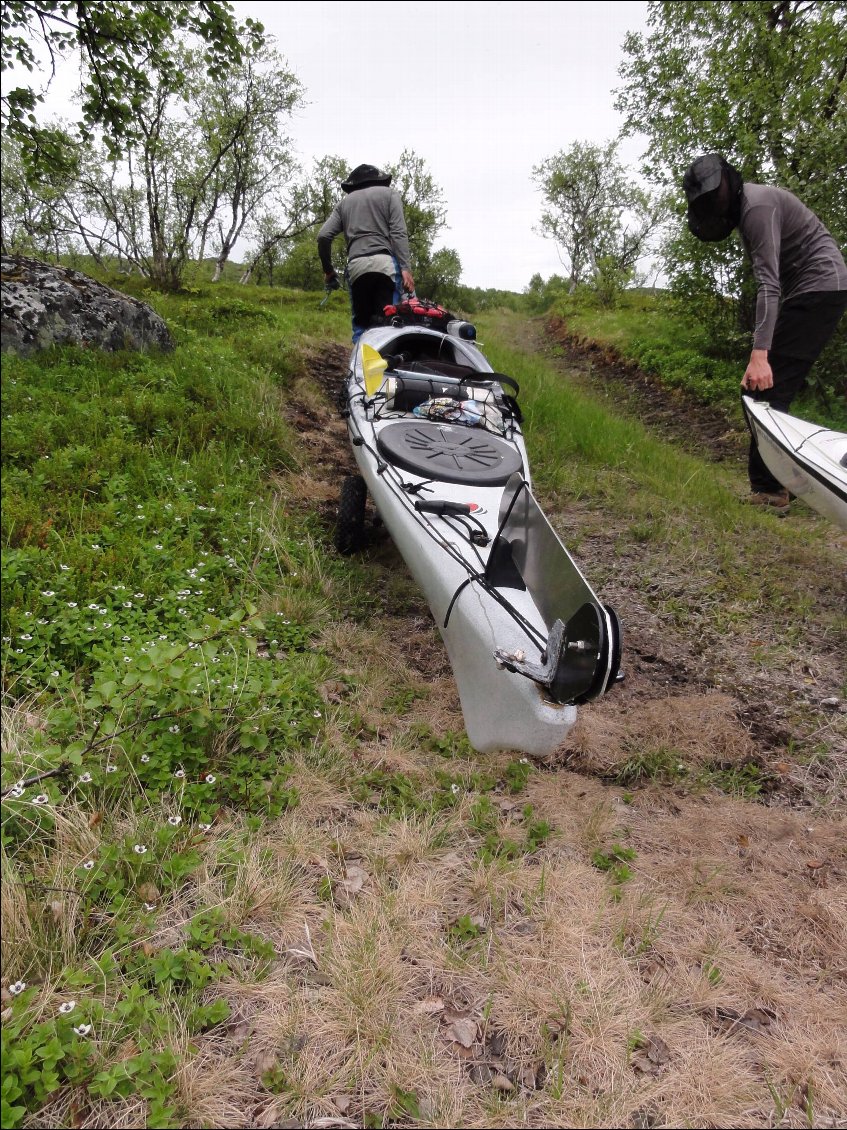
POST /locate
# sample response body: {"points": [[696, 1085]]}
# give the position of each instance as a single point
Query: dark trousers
{"points": [[369, 295], [804, 326]]}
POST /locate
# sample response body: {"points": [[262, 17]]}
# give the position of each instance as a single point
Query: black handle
{"points": [[441, 506]]}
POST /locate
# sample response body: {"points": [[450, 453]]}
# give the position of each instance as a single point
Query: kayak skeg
{"points": [[809, 460], [436, 435]]}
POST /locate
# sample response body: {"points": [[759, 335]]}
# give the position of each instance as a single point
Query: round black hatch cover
{"points": [[449, 453]]}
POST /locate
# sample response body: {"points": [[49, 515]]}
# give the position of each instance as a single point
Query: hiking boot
{"points": [[778, 501]]}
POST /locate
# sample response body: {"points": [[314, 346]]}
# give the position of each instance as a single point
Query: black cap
{"points": [[703, 175], [364, 175]]}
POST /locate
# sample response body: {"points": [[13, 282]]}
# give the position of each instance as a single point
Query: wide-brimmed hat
{"points": [[364, 175], [702, 176]]}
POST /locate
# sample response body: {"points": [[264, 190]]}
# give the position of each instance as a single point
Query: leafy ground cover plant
{"points": [[140, 540]]}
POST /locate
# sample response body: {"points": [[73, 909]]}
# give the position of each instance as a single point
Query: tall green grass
{"points": [[649, 329]]}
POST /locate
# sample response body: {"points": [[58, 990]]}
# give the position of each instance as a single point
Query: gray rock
{"points": [[44, 305]]}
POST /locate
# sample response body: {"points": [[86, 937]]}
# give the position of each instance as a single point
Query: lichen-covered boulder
{"points": [[44, 305]]}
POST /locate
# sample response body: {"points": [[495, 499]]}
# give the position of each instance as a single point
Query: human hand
{"points": [[408, 282], [758, 376], [331, 280]]}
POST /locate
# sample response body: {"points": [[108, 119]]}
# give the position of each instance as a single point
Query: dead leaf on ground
{"points": [[351, 885], [651, 1056], [462, 1032], [429, 1006], [757, 1019]]}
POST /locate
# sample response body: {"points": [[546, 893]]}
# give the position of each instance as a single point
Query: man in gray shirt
{"points": [[802, 286], [378, 257]]}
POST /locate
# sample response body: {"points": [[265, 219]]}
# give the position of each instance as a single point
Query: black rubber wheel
{"points": [[350, 524]]}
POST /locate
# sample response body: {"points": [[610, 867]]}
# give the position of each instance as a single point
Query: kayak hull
{"points": [[494, 627], [809, 461]]}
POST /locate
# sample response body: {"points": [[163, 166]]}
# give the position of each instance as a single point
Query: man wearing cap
{"points": [[802, 287], [378, 257]]}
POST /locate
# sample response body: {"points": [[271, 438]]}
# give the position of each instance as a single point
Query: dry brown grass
{"points": [[722, 957]]}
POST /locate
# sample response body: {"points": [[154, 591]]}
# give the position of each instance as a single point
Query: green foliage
{"points": [[140, 539], [601, 222], [765, 84], [667, 339], [83, 1044], [615, 862], [122, 47], [541, 294]]}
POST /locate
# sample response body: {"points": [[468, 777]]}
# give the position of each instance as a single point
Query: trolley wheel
{"points": [[350, 524]]}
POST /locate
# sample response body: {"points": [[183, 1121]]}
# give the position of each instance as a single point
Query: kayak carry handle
{"points": [[441, 506]]}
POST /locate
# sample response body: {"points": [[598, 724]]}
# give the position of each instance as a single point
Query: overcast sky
{"points": [[483, 92]]}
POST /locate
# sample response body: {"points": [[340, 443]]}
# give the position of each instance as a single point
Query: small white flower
{"points": [[138, 595], [179, 774], [72, 604], [16, 791], [210, 778], [26, 637], [48, 592], [84, 778], [95, 547], [17, 988], [160, 547], [140, 849], [316, 713], [149, 906], [111, 768], [126, 639], [42, 798], [205, 827], [88, 865], [145, 757], [42, 622], [455, 790], [173, 729], [83, 1030], [55, 674], [64, 568], [127, 659], [127, 604], [174, 821], [67, 1007]]}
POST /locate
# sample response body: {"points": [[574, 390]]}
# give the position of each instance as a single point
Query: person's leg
{"points": [[369, 295], [804, 327]]}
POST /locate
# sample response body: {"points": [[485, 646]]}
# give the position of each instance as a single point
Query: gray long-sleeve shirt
{"points": [[372, 221], [791, 252]]}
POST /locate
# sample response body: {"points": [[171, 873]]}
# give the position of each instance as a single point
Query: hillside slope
{"points": [[373, 925]]}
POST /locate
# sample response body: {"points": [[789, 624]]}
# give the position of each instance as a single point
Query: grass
{"points": [[649, 329], [259, 855]]}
